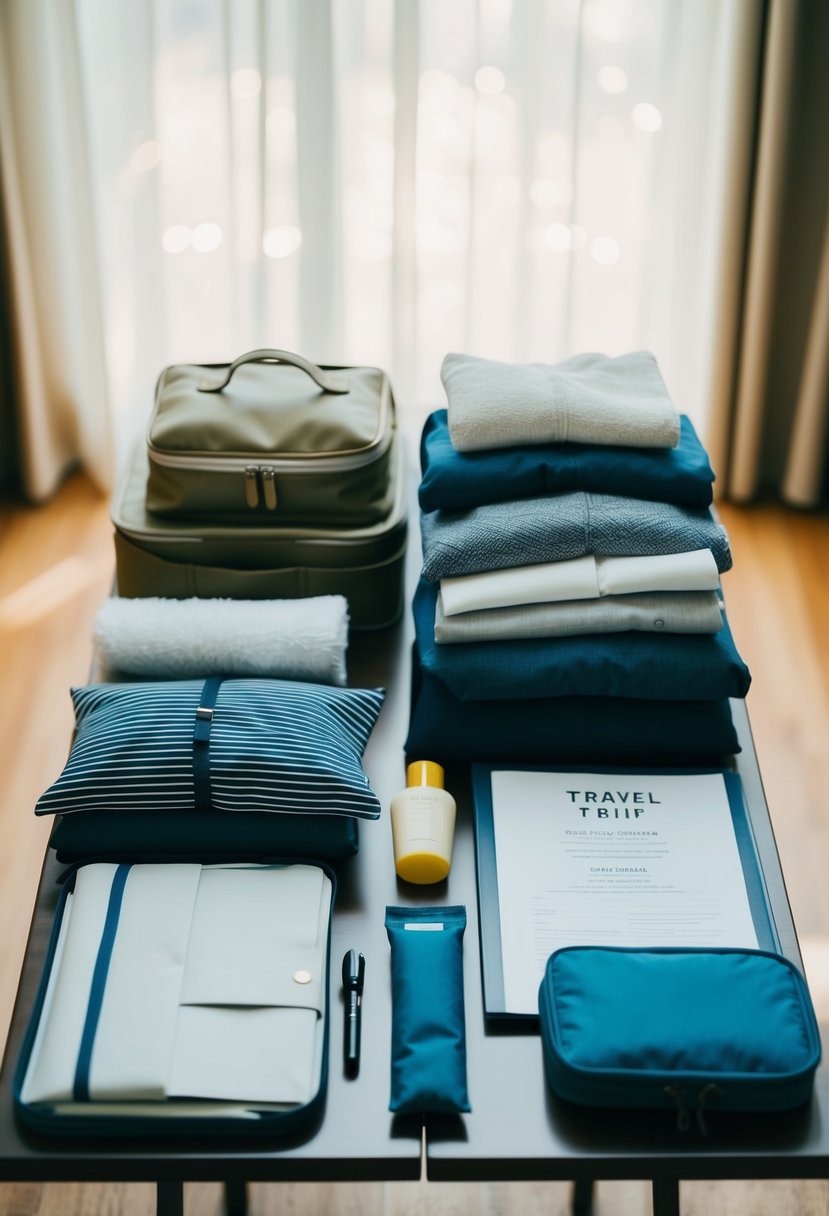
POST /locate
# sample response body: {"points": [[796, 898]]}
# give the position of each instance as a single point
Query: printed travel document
{"points": [[608, 859]]}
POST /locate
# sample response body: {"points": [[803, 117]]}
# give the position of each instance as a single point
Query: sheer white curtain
{"points": [[385, 180], [56, 338]]}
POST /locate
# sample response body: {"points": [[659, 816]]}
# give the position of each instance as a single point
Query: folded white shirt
{"points": [[583, 578], [646, 612]]}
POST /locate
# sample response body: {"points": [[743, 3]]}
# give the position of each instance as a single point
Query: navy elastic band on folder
{"points": [[80, 1088], [201, 743]]}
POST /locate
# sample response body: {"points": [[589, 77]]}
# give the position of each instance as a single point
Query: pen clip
{"points": [[354, 971]]}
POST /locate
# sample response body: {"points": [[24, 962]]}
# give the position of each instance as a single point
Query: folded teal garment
{"points": [[456, 481], [567, 730], [650, 666], [558, 527]]}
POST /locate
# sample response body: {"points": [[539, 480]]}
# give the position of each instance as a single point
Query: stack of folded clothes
{"points": [[568, 608]]}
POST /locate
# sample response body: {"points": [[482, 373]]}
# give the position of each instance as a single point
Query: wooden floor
{"points": [[56, 567]]}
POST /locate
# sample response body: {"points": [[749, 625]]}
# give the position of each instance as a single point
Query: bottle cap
{"points": [[425, 772], [423, 868]]}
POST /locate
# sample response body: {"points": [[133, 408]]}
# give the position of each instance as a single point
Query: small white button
{"points": [[302, 977]]}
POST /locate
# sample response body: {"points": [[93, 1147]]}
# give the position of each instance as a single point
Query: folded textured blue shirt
{"points": [[558, 527], [456, 481], [678, 667], [567, 730]]}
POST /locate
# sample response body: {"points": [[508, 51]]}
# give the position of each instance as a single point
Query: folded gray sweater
{"points": [[590, 398], [558, 527]]}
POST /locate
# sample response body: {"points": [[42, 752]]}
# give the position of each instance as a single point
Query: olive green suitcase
{"points": [[156, 555], [272, 440]]}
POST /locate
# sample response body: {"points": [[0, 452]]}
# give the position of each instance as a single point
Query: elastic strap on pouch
{"points": [[201, 743], [80, 1087]]}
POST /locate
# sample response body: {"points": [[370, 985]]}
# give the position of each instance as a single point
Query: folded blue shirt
{"points": [[681, 667], [558, 527], [567, 730], [455, 481]]}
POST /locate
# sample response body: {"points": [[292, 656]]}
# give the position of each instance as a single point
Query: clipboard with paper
{"points": [[184, 995], [633, 858]]}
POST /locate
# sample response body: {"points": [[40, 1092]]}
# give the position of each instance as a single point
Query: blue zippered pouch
{"points": [[694, 1029]]}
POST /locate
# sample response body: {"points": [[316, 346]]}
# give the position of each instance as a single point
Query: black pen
{"points": [[354, 973]]}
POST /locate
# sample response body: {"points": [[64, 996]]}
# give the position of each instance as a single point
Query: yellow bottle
{"points": [[423, 825]]}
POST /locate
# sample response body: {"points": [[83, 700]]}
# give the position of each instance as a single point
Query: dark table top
{"points": [[516, 1129]]}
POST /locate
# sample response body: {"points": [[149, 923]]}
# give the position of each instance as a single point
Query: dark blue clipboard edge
{"points": [[486, 866]]}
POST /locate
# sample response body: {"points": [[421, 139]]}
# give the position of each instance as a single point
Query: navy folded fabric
{"points": [[456, 481], [681, 666], [567, 730], [209, 835], [558, 527]]}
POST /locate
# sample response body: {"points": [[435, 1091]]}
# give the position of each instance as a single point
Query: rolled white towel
{"points": [[303, 639]]}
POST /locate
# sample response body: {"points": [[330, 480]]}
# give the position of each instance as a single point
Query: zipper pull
{"points": [[268, 487], [252, 486], [683, 1115], [711, 1090]]}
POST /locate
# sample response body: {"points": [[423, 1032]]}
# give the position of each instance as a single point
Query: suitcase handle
{"points": [[328, 381]]}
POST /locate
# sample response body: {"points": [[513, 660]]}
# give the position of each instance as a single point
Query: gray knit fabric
{"points": [[590, 398], [554, 528], [655, 612]]}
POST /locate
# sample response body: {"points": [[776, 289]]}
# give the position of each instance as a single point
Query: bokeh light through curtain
{"points": [[379, 181]]}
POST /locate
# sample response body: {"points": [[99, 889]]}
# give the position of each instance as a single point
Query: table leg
{"points": [[169, 1199], [582, 1201], [236, 1198], [665, 1196]]}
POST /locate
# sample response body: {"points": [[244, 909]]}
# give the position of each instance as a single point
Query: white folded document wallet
{"points": [[193, 994]]}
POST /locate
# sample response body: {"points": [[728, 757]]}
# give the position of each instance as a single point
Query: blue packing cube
{"points": [[714, 1029]]}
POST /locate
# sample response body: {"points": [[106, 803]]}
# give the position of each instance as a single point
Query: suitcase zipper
{"points": [[260, 480], [252, 486], [254, 475], [268, 486], [341, 462], [311, 536]]}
